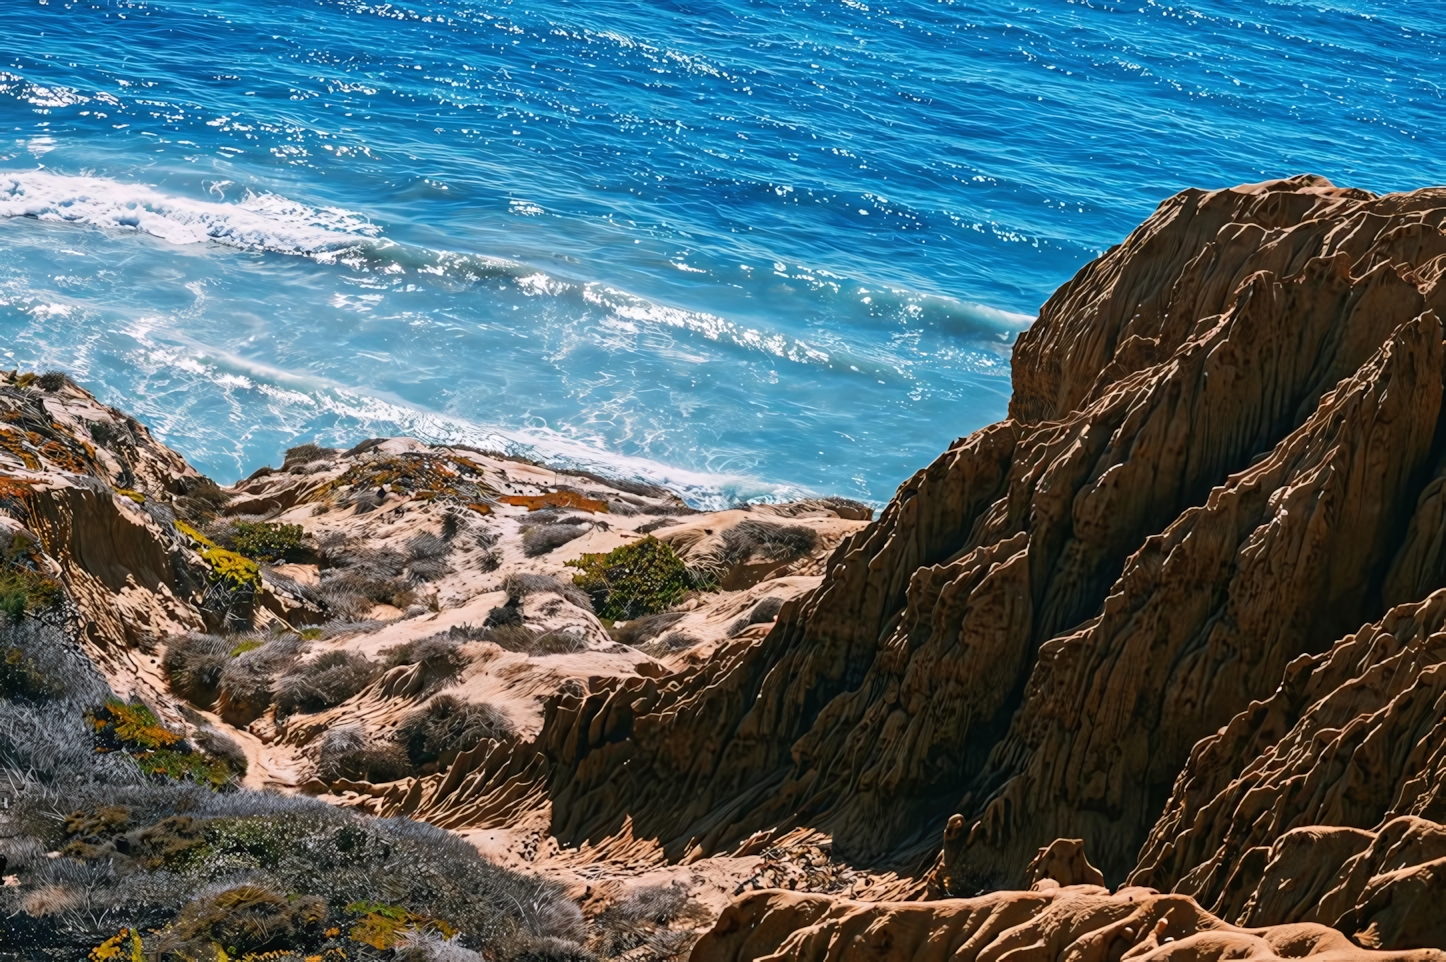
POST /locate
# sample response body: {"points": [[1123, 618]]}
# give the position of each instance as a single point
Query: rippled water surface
{"points": [[748, 248]]}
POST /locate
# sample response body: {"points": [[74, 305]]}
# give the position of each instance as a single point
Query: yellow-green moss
{"points": [[135, 496], [237, 571], [124, 946], [381, 926], [234, 570], [133, 728], [250, 644], [194, 535]]}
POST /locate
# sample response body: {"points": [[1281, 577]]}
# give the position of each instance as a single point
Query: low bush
{"points": [[669, 643], [250, 674], [448, 726], [438, 657], [768, 540], [360, 579], [643, 919], [539, 539], [264, 541], [53, 381], [194, 663], [642, 630], [639, 578], [244, 918], [323, 682], [199, 501], [519, 585], [765, 611], [23, 588], [346, 752], [427, 558], [306, 454]]}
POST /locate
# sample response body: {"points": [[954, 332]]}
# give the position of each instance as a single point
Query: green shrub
{"points": [[641, 578], [269, 541], [23, 590]]}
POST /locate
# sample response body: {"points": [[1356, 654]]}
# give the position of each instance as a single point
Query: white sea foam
{"points": [[258, 222]]}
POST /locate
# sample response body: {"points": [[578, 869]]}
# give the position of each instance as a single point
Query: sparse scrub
{"points": [[765, 611], [427, 558], [156, 868], [438, 658], [248, 678], [53, 381], [641, 630], [363, 578], [245, 918], [520, 585], [323, 682], [848, 508], [194, 664], [199, 501], [669, 643], [304, 454], [346, 752], [768, 540], [447, 726], [640, 578], [539, 539], [643, 919], [23, 588]]}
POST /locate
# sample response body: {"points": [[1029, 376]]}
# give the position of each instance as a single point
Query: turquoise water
{"points": [[750, 249]]}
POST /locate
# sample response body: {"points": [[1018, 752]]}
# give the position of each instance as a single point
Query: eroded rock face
{"points": [[1322, 802], [1084, 922], [1221, 457]]}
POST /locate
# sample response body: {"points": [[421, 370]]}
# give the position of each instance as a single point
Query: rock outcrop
{"points": [[1077, 922], [1220, 431]]}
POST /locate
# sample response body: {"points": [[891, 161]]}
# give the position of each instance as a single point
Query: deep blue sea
{"points": [[747, 248]]}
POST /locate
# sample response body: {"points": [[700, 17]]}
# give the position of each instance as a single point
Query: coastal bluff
{"points": [[1151, 669]]}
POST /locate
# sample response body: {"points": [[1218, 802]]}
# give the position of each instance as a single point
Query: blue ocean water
{"points": [[747, 248]]}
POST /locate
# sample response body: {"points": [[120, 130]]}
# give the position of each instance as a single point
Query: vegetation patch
{"points": [[641, 578], [382, 926], [135, 496], [228, 568], [269, 541], [246, 918], [133, 728], [23, 591], [448, 726], [565, 499], [425, 476]]}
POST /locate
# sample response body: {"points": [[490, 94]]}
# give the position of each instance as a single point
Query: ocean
{"points": [[746, 249]]}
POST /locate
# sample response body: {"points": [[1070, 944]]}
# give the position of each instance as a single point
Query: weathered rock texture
{"points": [[1221, 432], [1078, 922]]}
